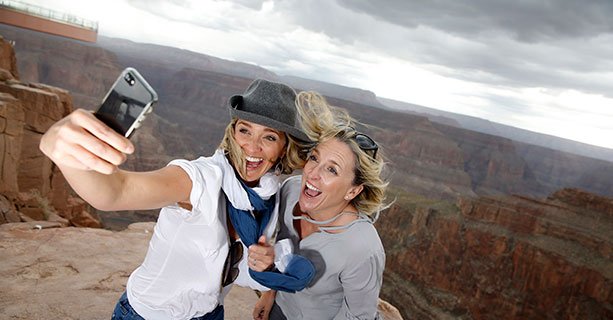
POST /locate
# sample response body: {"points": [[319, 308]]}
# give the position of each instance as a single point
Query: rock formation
{"points": [[478, 258], [76, 273], [502, 257], [79, 273], [31, 187]]}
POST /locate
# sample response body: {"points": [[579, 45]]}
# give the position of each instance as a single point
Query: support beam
{"points": [[27, 17]]}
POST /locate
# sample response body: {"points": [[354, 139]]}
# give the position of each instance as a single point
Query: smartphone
{"points": [[127, 103]]}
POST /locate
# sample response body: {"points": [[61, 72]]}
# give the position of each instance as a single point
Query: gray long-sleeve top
{"points": [[349, 268]]}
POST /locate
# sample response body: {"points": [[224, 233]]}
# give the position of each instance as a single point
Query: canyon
{"points": [[504, 257], [480, 227]]}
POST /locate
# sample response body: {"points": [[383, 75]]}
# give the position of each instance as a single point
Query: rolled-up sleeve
{"points": [[206, 188], [361, 285]]}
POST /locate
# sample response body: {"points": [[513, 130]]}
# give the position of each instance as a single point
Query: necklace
{"points": [[321, 224]]}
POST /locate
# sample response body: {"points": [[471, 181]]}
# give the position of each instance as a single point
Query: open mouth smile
{"points": [[310, 190], [253, 162]]}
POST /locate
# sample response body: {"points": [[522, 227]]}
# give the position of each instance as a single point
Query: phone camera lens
{"points": [[129, 79]]}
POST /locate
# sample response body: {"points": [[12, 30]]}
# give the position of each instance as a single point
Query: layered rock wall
{"points": [[505, 257], [30, 185]]}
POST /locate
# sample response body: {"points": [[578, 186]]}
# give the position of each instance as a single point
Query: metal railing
{"points": [[49, 14]]}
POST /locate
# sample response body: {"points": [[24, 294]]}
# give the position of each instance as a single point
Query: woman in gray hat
{"points": [[328, 214], [193, 254]]}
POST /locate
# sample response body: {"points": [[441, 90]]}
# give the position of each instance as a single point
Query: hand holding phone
{"points": [[81, 141], [126, 104]]}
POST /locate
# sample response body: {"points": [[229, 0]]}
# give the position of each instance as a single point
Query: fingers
{"points": [[97, 147], [262, 240], [263, 315], [258, 265], [87, 159], [261, 255], [262, 247], [262, 308], [261, 252], [83, 142], [101, 131], [258, 312]]}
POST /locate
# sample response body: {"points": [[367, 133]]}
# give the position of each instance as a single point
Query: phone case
{"points": [[127, 103]]}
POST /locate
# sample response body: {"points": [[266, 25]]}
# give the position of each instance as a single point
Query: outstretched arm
{"points": [[88, 153]]}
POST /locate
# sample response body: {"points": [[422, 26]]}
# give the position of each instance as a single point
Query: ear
{"points": [[353, 192]]}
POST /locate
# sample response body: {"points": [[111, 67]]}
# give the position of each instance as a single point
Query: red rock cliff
{"points": [[502, 257], [31, 187]]}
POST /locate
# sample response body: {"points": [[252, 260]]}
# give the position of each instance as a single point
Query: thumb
{"points": [[262, 241]]}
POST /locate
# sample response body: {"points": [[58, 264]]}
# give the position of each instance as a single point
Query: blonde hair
{"points": [[293, 158], [322, 122]]}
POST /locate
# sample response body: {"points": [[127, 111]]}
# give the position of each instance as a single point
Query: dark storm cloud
{"points": [[559, 44], [524, 20], [509, 43]]}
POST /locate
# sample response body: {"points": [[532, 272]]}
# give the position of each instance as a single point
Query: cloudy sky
{"points": [[541, 65]]}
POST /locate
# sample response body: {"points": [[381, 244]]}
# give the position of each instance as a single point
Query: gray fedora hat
{"points": [[270, 104]]}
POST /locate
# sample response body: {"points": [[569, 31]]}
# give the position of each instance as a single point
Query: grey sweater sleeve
{"points": [[361, 286]]}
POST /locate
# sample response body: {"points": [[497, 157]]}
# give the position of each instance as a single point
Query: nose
{"points": [[253, 145], [313, 171]]}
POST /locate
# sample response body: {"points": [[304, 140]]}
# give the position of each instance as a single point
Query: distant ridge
{"points": [[172, 59], [439, 158], [502, 130], [181, 58], [334, 90]]}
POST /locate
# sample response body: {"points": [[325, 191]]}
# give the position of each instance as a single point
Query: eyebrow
{"points": [[333, 162], [273, 131], [247, 124]]}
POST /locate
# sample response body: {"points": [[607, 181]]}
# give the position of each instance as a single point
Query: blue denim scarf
{"points": [[299, 271]]}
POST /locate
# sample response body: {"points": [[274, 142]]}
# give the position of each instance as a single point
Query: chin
{"points": [[252, 176], [304, 209], [305, 204]]}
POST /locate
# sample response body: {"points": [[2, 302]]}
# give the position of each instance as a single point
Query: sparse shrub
{"points": [[43, 203]]}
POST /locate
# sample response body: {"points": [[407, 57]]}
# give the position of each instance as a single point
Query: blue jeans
{"points": [[276, 313], [124, 311]]}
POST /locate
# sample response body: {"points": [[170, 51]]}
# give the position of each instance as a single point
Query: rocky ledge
{"points": [[79, 273]]}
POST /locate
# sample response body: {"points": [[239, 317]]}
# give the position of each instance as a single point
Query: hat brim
{"points": [[233, 104]]}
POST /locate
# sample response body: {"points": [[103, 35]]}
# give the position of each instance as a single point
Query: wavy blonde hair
{"points": [[293, 158], [322, 122]]}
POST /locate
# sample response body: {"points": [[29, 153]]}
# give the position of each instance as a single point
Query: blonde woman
{"points": [[193, 254], [328, 214]]}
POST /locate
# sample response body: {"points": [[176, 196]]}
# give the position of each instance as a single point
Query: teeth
{"points": [[253, 159], [312, 187]]}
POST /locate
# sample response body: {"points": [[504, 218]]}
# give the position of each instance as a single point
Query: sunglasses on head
{"points": [[230, 267], [366, 143]]}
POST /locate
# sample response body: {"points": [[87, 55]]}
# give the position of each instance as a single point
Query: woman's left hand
{"points": [[261, 255], [262, 308]]}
